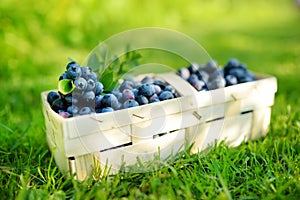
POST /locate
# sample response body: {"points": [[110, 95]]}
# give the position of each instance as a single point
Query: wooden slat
{"points": [[236, 129], [97, 141], [231, 129], [260, 122], [165, 146]]}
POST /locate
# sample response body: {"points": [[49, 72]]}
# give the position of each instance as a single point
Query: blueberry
{"points": [[211, 66], [202, 75], [147, 90], [90, 84], [238, 72], [126, 85], [118, 94], [142, 100], [165, 95], [64, 114], [136, 84], [248, 77], [130, 103], [98, 88], [74, 72], [85, 111], [76, 97], [52, 96], [73, 109], [86, 72], [135, 92], [170, 88], [68, 98], [231, 80], [98, 100], [233, 62], [154, 100], [193, 78], [80, 83], [127, 94], [147, 79], [157, 89], [218, 82], [63, 76], [89, 96], [215, 75], [93, 76], [161, 84], [184, 73], [198, 85], [193, 68], [98, 110], [110, 100], [154, 96], [107, 109], [58, 104]]}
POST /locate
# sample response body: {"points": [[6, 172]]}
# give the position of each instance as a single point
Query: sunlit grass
{"points": [[36, 39]]}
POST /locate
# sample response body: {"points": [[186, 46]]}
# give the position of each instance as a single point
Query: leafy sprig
{"points": [[110, 70]]}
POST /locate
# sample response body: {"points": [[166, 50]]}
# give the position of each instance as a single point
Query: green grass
{"points": [[37, 37]]}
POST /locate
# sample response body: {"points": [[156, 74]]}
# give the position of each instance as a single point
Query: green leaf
{"points": [[108, 80], [66, 86]]}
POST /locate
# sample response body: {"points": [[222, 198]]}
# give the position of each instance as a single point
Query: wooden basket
{"points": [[92, 142]]}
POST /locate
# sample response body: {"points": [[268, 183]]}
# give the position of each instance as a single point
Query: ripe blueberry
{"points": [[52, 96], [80, 83], [90, 84], [142, 100], [107, 109], [130, 103], [165, 95], [85, 111], [147, 90], [74, 72]]}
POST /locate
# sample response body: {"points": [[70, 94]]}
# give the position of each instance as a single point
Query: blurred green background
{"points": [[37, 38]]}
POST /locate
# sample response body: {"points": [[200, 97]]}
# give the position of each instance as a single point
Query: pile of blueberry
{"points": [[210, 76], [88, 95]]}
